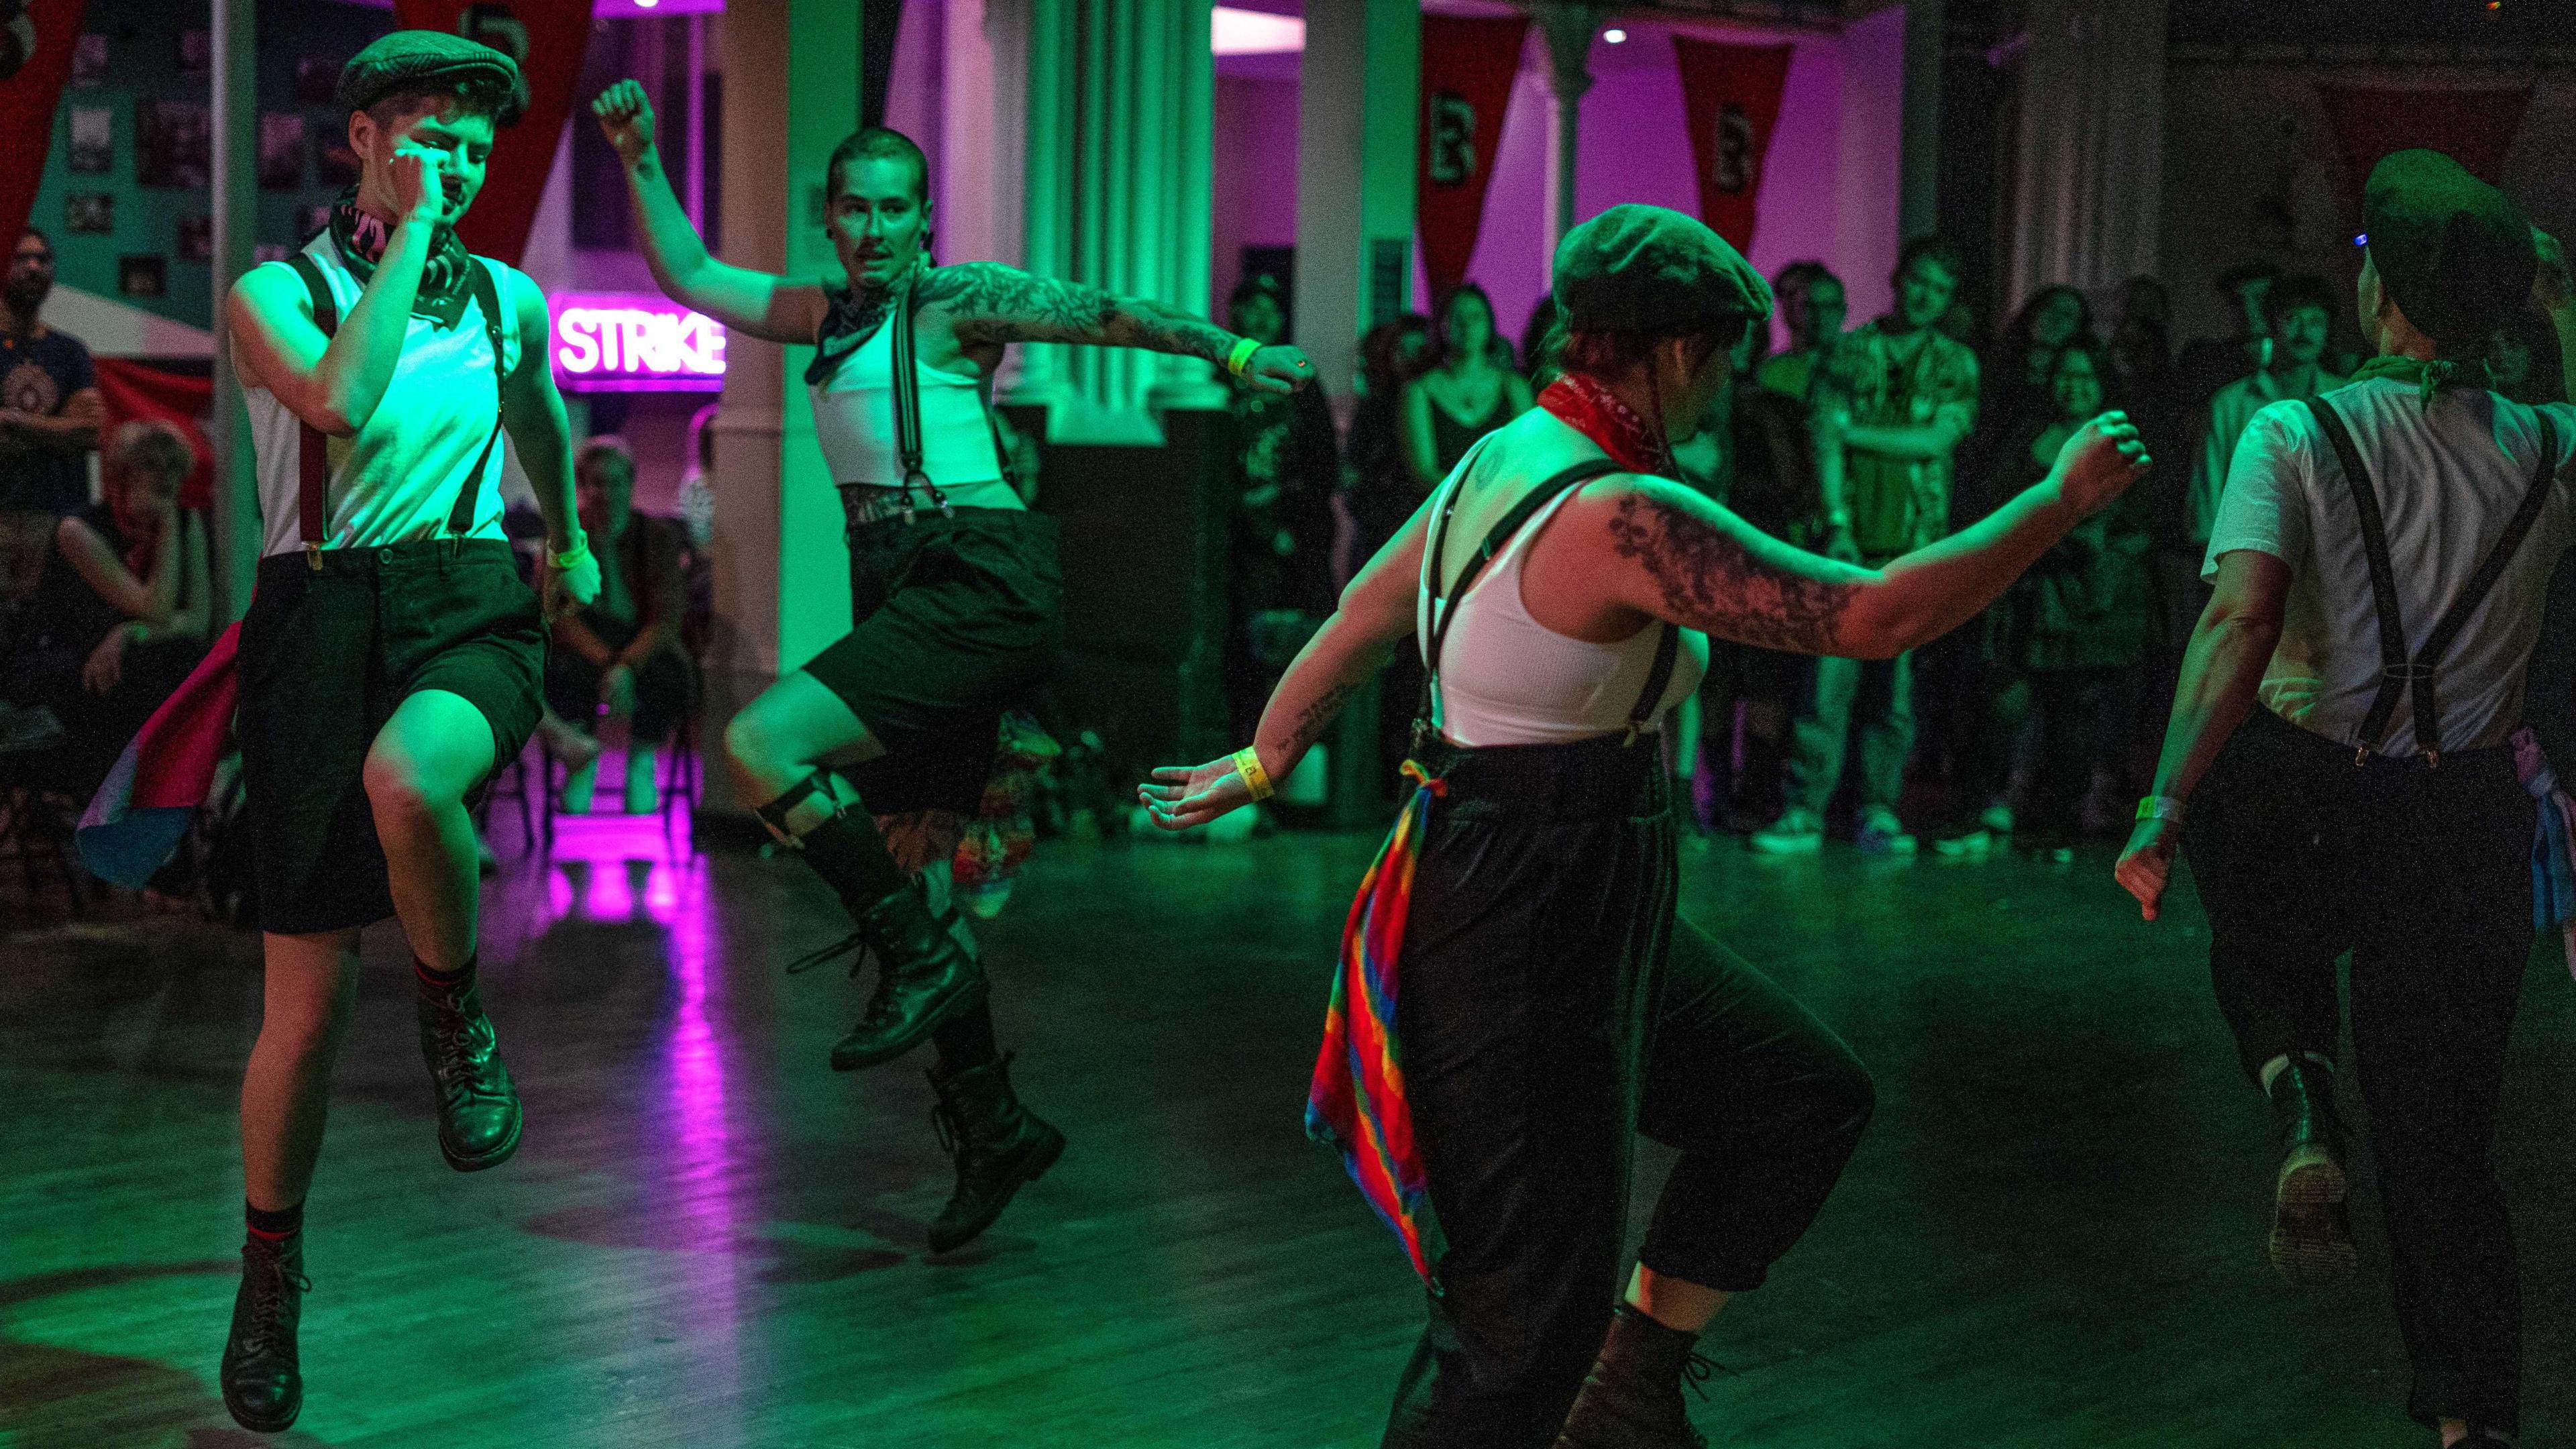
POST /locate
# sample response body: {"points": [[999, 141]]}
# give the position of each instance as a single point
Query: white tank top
{"points": [[1507, 679], [854, 422], [396, 481]]}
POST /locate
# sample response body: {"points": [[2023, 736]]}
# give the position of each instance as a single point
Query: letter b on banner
{"points": [[1453, 140]]}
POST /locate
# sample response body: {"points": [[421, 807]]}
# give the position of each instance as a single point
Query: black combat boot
{"points": [[478, 1109], [263, 1387], [2311, 1242], [998, 1144], [926, 976], [1632, 1399]]}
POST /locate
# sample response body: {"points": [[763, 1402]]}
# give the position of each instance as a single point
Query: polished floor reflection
{"points": [[2052, 1237]]}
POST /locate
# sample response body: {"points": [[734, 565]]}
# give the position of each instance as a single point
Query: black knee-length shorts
{"points": [[955, 618], [325, 658]]}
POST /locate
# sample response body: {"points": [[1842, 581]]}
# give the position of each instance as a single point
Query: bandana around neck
{"points": [[444, 281], [852, 316], [2428, 374], [1585, 404]]}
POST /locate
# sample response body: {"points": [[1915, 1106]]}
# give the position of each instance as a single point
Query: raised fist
{"points": [[626, 119]]}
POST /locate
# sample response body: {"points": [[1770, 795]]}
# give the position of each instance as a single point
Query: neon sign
{"points": [[634, 342]]}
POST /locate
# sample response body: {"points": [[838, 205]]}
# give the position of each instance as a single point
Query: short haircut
{"points": [[872, 143], [1935, 248], [607, 448], [38, 233], [2289, 294], [476, 94], [1801, 276], [149, 447], [2239, 275]]}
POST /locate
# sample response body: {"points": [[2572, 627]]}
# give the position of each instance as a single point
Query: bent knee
{"points": [[398, 785]]}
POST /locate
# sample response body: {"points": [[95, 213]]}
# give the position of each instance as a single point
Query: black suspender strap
{"points": [[905, 383], [2417, 676], [460, 519], [313, 451], [1445, 606]]}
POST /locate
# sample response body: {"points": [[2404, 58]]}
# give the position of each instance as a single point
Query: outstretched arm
{"points": [[745, 300], [1675, 555], [991, 303]]}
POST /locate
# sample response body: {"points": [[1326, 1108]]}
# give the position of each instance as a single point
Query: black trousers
{"points": [[2424, 875], [1550, 1006], [661, 683]]}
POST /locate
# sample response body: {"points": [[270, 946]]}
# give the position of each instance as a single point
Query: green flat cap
{"points": [[1647, 269], [410, 59], [2452, 252]]}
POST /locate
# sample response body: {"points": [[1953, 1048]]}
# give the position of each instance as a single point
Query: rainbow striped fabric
{"points": [[1356, 1104]]}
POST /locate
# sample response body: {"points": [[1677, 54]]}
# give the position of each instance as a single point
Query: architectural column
{"points": [[1359, 102], [1569, 26], [782, 587], [235, 108], [1117, 170]]}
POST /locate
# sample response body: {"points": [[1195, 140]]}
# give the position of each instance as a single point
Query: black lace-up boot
{"points": [[2311, 1242], [263, 1387], [926, 975], [478, 1109], [1632, 1399], [998, 1144]]}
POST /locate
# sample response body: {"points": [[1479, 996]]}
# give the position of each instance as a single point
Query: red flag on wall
{"points": [[547, 38], [1467, 71], [36, 38], [2473, 127], [134, 390], [1730, 101]]}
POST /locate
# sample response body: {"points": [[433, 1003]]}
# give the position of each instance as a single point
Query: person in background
{"points": [[2018, 382], [2340, 768], [1379, 493], [119, 614], [698, 482], [2522, 359], [2062, 641], [1887, 409], [1464, 396], [1812, 307], [1282, 578], [50, 414], [2298, 315], [619, 656], [2210, 363]]}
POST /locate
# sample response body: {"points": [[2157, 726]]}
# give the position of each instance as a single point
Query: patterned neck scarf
{"points": [[445, 280], [2428, 374], [1586, 404], [854, 315]]}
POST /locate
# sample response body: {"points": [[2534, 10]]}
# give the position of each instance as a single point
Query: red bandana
{"points": [[1584, 404]]}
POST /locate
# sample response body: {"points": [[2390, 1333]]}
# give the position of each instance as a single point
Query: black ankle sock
{"points": [[966, 1042], [443, 980], [273, 1226], [851, 857]]}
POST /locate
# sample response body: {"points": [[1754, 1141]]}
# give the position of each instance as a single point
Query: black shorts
{"points": [[326, 656], [954, 619]]}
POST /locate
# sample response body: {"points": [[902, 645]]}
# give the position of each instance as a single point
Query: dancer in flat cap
{"points": [[1516, 996], [391, 656], [863, 759]]}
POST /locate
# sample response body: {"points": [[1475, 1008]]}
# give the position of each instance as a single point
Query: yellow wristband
{"points": [[1247, 763], [1241, 357]]}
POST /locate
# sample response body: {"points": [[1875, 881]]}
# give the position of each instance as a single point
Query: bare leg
{"points": [[286, 1091], [784, 733], [427, 758], [1674, 1302]]}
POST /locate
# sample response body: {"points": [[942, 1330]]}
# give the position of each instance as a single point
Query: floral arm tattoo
{"points": [[1713, 583], [989, 302]]}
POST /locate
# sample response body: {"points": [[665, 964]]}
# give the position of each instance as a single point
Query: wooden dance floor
{"points": [[2052, 1237]]}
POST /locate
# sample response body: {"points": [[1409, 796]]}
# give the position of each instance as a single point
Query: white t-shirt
{"points": [[2448, 479], [396, 481]]}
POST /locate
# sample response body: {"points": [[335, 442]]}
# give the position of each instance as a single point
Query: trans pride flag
{"points": [[1356, 1104]]}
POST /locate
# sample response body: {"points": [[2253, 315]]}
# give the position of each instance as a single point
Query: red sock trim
{"points": [[440, 980]]}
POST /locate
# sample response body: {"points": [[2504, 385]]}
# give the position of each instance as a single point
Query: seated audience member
{"points": [[2298, 315], [119, 613], [620, 657]]}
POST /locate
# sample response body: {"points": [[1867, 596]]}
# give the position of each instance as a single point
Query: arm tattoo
{"points": [[1710, 582], [989, 302], [1319, 716]]}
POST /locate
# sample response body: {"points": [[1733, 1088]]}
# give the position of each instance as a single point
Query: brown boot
{"points": [[1632, 1399]]}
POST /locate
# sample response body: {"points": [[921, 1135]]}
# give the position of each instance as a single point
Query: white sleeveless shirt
{"points": [[854, 421], [396, 481], [1507, 679]]}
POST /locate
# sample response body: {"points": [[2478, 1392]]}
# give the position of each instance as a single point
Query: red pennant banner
{"points": [[1730, 101], [137, 390], [36, 39], [1467, 71], [2473, 127], [547, 38]]}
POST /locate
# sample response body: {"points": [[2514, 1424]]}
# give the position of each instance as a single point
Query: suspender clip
{"points": [[313, 556], [2432, 759]]}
